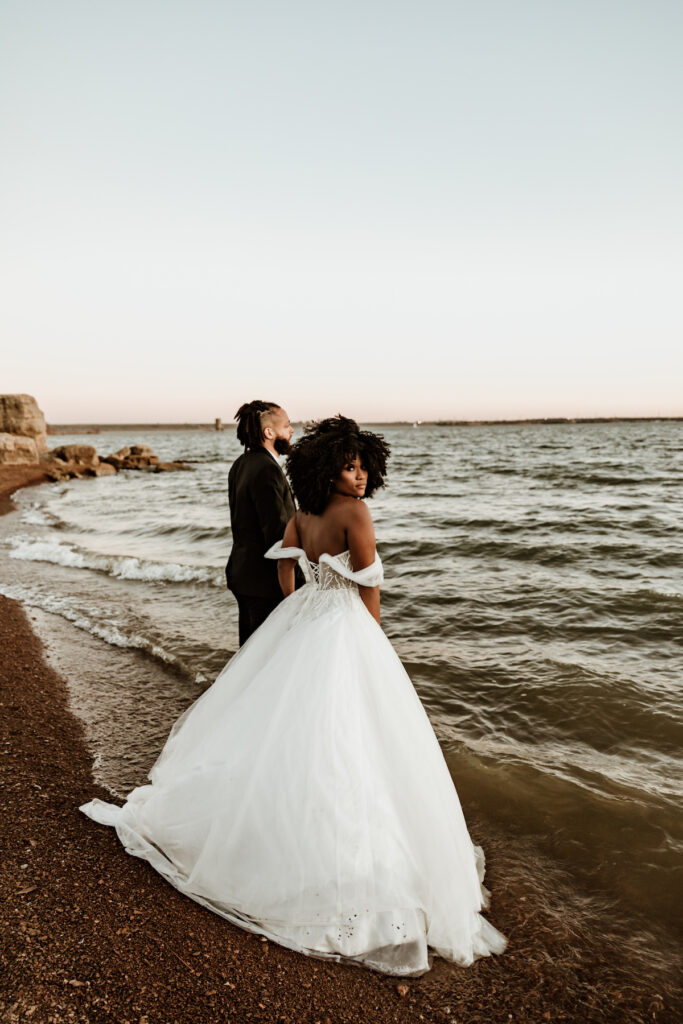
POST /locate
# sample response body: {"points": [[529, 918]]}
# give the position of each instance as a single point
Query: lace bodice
{"points": [[326, 577], [331, 572]]}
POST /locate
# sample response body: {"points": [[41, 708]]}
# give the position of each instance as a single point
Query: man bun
{"points": [[250, 422]]}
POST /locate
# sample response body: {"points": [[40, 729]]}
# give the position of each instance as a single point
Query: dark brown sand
{"points": [[14, 477], [90, 934]]}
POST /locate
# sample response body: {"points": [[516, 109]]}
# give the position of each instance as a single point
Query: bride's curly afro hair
{"points": [[317, 459]]}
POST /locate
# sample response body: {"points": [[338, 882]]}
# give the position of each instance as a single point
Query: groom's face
{"points": [[282, 429]]}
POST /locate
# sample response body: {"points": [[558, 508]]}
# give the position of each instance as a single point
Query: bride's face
{"points": [[352, 480]]}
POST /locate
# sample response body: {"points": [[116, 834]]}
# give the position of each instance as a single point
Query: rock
{"points": [[81, 454], [171, 467], [55, 472], [19, 414], [18, 451], [138, 456], [59, 470], [101, 469], [22, 430], [136, 462]]}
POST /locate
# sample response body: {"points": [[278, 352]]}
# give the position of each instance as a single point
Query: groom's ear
{"points": [[269, 433]]}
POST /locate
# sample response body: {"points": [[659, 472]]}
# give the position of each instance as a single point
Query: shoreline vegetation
{"points": [[89, 934], [58, 429]]}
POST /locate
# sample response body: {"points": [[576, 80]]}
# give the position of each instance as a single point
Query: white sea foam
{"points": [[35, 515], [125, 567], [85, 618]]}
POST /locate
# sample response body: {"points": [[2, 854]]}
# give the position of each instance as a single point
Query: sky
{"points": [[397, 210]]}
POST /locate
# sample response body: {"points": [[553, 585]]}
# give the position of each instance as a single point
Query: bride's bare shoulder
{"points": [[357, 520], [291, 538], [348, 510], [360, 511]]}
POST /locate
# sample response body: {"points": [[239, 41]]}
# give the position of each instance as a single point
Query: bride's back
{"points": [[328, 533]]}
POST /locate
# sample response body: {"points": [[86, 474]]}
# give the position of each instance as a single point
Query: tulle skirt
{"points": [[305, 797]]}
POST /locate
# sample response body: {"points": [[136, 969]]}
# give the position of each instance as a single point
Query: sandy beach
{"points": [[90, 934]]}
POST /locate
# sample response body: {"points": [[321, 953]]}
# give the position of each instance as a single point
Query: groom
{"points": [[261, 505]]}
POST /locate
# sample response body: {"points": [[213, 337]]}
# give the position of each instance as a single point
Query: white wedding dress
{"points": [[304, 796]]}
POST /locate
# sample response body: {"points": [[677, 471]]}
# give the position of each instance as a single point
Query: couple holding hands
{"points": [[304, 795]]}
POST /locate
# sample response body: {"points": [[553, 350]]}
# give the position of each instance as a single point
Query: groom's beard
{"points": [[282, 446]]}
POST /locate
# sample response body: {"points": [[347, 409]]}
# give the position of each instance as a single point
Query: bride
{"points": [[304, 796]]}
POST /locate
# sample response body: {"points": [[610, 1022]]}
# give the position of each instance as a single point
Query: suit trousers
{"points": [[252, 612]]}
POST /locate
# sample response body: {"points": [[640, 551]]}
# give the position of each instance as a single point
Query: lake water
{"points": [[534, 591]]}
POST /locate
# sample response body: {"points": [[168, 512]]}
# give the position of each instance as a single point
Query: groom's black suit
{"points": [[261, 505]]}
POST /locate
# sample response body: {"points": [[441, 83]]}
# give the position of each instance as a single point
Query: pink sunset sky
{"points": [[400, 212]]}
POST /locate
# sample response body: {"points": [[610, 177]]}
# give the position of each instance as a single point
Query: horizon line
{"points": [[219, 426]]}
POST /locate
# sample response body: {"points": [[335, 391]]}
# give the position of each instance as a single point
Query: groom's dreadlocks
{"points": [[250, 422]]}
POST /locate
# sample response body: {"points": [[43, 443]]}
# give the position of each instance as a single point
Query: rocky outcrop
{"points": [[138, 456], [78, 460], [58, 469], [20, 416], [117, 459], [22, 443], [18, 451]]}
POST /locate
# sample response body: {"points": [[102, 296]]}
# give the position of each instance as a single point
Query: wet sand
{"points": [[88, 933], [14, 477]]}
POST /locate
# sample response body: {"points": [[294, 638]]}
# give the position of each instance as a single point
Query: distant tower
{"points": [[219, 423]]}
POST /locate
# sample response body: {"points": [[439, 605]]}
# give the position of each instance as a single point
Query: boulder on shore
{"points": [[81, 454], [18, 451], [58, 470], [20, 415], [137, 456], [101, 469]]}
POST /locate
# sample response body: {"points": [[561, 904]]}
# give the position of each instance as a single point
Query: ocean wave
{"points": [[186, 531], [565, 548], [85, 618], [37, 515], [573, 477], [40, 515], [124, 567], [543, 554], [673, 595], [611, 778]]}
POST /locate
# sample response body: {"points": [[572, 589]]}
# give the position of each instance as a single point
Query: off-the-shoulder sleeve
{"points": [[277, 551], [371, 576]]}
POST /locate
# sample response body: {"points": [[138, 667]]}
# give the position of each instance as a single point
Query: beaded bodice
{"points": [[326, 576], [331, 572]]}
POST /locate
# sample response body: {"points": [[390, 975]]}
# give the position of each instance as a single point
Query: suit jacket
{"points": [[261, 505]]}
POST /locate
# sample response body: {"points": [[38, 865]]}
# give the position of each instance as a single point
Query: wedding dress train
{"points": [[304, 796]]}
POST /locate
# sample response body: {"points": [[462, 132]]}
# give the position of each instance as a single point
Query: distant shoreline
{"points": [[57, 429]]}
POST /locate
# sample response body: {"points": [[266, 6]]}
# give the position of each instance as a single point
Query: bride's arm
{"points": [[287, 566], [360, 535]]}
